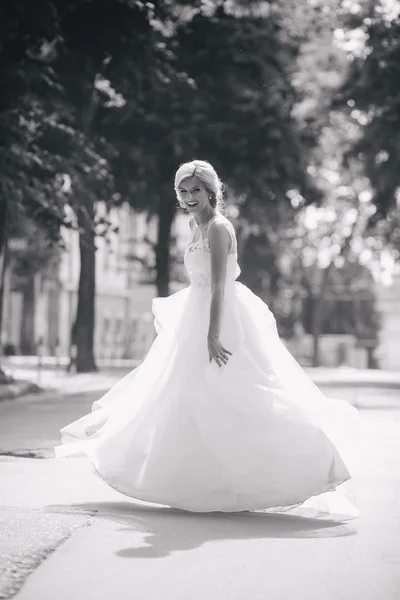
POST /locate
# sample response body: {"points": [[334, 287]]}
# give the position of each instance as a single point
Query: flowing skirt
{"points": [[181, 431]]}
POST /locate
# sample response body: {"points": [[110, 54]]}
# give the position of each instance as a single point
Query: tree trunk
{"points": [[3, 264], [28, 340], [242, 234], [317, 316], [316, 323], [166, 214], [83, 330], [4, 206], [85, 315]]}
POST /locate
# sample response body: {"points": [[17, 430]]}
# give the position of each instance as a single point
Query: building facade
{"points": [[38, 318], [123, 320]]}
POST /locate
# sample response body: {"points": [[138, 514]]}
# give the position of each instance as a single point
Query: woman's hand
{"points": [[216, 351]]}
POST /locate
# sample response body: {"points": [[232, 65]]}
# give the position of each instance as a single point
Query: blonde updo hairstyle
{"points": [[208, 175]]}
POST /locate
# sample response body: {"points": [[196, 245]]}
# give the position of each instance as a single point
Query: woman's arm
{"points": [[219, 241]]}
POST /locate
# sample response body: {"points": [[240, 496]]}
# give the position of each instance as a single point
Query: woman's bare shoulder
{"points": [[220, 223], [218, 231]]}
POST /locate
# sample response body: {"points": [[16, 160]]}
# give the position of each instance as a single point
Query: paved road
{"points": [[134, 550], [34, 421]]}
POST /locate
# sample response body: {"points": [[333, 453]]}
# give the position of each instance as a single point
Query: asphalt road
{"points": [[99, 544], [33, 422]]}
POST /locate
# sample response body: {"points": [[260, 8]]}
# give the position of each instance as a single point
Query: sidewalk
{"points": [[30, 379], [351, 377]]}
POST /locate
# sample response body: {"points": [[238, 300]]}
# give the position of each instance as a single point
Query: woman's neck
{"points": [[203, 219]]}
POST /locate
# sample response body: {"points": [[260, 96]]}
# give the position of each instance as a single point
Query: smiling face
{"points": [[194, 195]]}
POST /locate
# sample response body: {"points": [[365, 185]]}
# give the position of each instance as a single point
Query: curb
{"points": [[17, 389], [28, 453], [362, 384]]}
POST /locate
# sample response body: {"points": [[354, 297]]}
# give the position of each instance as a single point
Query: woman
{"points": [[219, 416]]}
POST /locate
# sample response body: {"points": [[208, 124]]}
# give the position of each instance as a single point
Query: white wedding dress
{"points": [[183, 432]]}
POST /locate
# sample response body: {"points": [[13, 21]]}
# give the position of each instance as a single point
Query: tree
{"points": [[79, 65], [315, 257], [321, 256], [224, 76], [314, 68], [187, 79], [370, 97], [315, 246], [22, 76], [74, 60]]}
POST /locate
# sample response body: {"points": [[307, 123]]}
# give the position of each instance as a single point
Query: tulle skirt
{"points": [[183, 432]]}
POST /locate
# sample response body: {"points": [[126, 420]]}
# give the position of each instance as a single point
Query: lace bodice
{"points": [[198, 261]]}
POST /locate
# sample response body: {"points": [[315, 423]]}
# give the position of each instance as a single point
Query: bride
{"points": [[219, 416]]}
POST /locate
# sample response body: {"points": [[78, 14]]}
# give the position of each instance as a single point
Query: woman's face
{"points": [[193, 195]]}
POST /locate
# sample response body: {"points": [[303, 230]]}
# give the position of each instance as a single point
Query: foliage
{"points": [[371, 97], [106, 113], [36, 254], [50, 155], [240, 110], [216, 87], [43, 153], [321, 244]]}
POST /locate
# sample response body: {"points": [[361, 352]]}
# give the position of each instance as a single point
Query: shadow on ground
{"points": [[167, 530]]}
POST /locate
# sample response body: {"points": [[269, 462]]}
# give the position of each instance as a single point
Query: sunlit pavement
{"points": [[124, 549]]}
